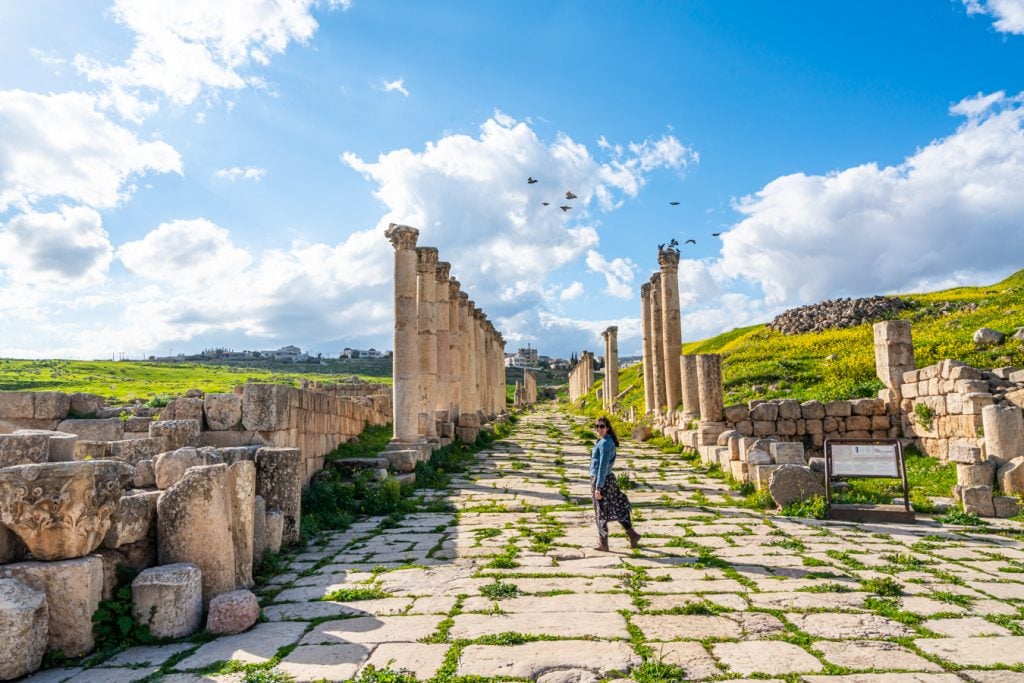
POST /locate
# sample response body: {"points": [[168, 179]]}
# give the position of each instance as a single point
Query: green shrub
{"points": [[112, 623], [925, 415], [813, 508]]}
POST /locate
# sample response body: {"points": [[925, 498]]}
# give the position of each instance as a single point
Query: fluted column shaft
{"points": [[668, 259], [443, 393], [426, 266], [658, 346], [405, 359]]}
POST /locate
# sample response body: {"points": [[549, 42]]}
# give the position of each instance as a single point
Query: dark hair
{"points": [[611, 430]]}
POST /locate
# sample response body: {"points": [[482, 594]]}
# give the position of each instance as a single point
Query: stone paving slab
{"points": [[422, 660], [372, 630], [976, 651], [854, 626], [564, 624], [966, 627], [147, 655], [686, 627], [692, 657], [873, 654], [771, 657], [886, 678], [338, 662], [530, 660], [252, 647], [573, 602]]}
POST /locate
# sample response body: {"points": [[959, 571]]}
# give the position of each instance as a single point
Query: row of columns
{"points": [[448, 358], [611, 367], [581, 377], [526, 390], [663, 339]]}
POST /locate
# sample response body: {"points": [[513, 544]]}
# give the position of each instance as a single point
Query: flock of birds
{"points": [[569, 196]]}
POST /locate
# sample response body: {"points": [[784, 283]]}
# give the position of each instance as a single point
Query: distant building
{"points": [[368, 353], [523, 358], [288, 354]]}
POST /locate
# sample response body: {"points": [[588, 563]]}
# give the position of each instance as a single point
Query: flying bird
{"points": [[673, 243], [565, 208], [674, 203], [570, 195], [531, 180], [545, 203], [661, 247], [715, 234], [690, 242]]}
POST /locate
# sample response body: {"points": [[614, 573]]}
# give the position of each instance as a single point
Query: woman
{"points": [[610, 503]]}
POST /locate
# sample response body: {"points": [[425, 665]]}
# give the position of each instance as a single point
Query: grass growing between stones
{"points": [[354, 594]]}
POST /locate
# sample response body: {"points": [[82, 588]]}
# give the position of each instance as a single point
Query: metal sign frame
{"points": [[874, 512]]}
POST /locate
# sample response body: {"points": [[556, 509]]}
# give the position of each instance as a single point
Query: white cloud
{"points": [[585, 335], [397, 85], [186, 252], [186, 46], [1008, 14], [618, 274], [60, 248], [573, 291], [242, 173], [62, 146], [952, 212]]}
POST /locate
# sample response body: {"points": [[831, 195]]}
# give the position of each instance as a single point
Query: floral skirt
{"points": [[613, 507]]}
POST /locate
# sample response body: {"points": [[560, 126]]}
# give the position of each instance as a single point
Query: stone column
{"points": [[604, 383], [405, 360], [479, 360], [443, 395], [426, 267], [588, 373], [502, 378], [1004, 433], [894, 352], [648, 360], [466, 339], [611, 367], [658, 346], [690, 386], [455, 347], [709, 386], [672, 336]]}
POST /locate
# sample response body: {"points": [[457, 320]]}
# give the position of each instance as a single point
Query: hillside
{"points": [[761, 363]]}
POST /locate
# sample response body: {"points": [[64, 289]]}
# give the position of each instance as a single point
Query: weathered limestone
{"points": [[894, 351], [170, 467], [175, 434], [709, 387], [61, 510], [222, 411], [1011, 477], [467, 384], [443, 391], [260, 542], [23, 449], [1004, 432], [658, 346], [194, 526], [650, 402], [61, 446], [790, 483], [690, 387], [242, 494], [74, 589], [279, 481], [406, 355], [275, 530], [132, 519], [24, 628], [611, 367], [169, 599], [671, 329], [454, 349], [232, 612], [264, 407], [426, 316]]}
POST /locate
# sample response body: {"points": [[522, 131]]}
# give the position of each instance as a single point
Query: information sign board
{"points": [[865, 460]]}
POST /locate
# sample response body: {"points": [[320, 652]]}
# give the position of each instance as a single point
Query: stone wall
{"points": [[813, 421]]}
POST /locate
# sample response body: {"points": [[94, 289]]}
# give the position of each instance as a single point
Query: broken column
{"points": [[672, 338], [1004, 432], [658, 346], [426, 309], [279, 477], [242, 495], [648, 358], [405, 355], [24, 629], [709, 384], [690, 386]]}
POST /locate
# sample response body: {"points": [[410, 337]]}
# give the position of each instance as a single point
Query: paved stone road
{"points": [[511, 588]]}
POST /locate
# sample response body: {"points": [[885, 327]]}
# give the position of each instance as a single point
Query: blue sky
{"points": [[193, 174]]}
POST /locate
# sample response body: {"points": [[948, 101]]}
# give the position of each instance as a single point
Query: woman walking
{"points": [[610, 503]]}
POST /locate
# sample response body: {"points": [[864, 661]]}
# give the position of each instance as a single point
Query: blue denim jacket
{"points": [[601, 460]]}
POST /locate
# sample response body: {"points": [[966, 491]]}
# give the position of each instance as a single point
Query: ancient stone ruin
{"points": [[581, 376], [526, 390], [190, 495]]}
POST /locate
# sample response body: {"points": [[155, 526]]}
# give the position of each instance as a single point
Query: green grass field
{"points": [[129, 380]]}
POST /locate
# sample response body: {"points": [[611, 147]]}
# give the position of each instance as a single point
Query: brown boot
{"points": [[634, 538], [602, 544]]}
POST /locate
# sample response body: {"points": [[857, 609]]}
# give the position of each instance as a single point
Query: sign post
{"points": [[866, 458]]}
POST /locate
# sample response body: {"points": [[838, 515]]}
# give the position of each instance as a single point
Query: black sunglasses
{"points": [[600, 426]]}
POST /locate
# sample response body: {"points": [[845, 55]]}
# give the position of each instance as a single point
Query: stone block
{"points": [[145, 475], [862, 406], [974, 403], [469, 420], [62, 444], [194, 526], [856, 423], [760, 474], [170, 467], [744, 427], [787, 452], [980, 474], [223, 411], [74, 588], [1005, 506], [259, 528], [279, 477], [970, 386], [909, 390], [242, 492], [110, 429], [738, 470], [928, 373], [880, 422], [24, 629], [24, 449], [169, 599], [467, 434], [134, 450], [232, 612], [265, 407], [402, 461], [92, 450], [737, 413], [910, 376], [764, 428], [50, 405], [175, 434], [764, 412], [11, 547], [838, 409], [84, 405], [759, 458], [1015, 397], [133, 519], [1010, 477], [1004, 432], [275, 530], [978, 499], [790, 483], [812, 410], [965, 454], [137, 425], [789, 409], [187, 408], [16, 405]]}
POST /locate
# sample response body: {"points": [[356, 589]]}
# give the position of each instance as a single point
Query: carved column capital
{"points": [[454, 287], [426, 260], [402, 237], [668, 259], [645, 290], [442, 271]]}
